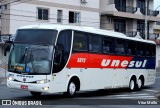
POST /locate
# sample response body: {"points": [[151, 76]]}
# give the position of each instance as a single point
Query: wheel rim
{"points": [[132, 85], [139, 83], [72, 88]]}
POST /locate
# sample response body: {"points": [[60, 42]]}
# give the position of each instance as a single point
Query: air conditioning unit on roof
{"points": [[83, 1]]}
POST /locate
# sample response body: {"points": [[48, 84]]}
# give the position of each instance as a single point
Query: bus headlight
{"points": [[43, 81], [10, 78]]}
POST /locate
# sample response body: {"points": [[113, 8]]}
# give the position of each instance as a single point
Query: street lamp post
{"points": [[146, 20]]}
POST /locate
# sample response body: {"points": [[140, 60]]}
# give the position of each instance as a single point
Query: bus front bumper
{"points": [[29, 86]]}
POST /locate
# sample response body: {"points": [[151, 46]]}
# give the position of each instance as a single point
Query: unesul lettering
{"points": [[124, 63]]}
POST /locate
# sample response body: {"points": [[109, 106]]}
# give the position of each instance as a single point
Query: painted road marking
{"points": [[137, 97], [151, 90], [144, 94]]}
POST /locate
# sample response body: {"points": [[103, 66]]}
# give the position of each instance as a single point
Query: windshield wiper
{"points": [[23, 56]]}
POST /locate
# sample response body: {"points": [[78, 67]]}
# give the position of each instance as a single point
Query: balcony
{"points": [[113, 9], [127, 9], [149, 12]]}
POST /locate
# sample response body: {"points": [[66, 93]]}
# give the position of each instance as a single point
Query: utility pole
{"points": [[146, 20]]}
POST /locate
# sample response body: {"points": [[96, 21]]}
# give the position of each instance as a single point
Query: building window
{"points": [[59, 16], [120, 25], [5, 6], [43, 14], [74, 17], [141, 4]]}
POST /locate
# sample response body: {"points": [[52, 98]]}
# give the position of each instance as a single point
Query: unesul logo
{"points": [[123, 63]]}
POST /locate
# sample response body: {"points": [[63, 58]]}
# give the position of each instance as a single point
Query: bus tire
{"points": [[140, 83], [36, 94], [132, 85], [71, 90]]}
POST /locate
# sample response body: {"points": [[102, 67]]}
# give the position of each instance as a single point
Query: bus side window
{"points": [[131, 48], [62, 50], [140, 49], [153, 50], [95, 43], [120, 46], [80, 41], [150, 50], [108, 45]]}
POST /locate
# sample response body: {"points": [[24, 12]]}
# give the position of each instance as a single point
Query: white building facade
{"points": [[29, 12]]}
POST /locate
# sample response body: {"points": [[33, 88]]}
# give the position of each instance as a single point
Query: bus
{"points": [[67, 59]]}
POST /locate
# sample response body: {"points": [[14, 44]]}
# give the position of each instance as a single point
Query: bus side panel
{"points": [[58, 81]]}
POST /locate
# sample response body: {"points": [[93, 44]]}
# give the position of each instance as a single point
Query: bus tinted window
{"points": [[62, 51], [131, 48], [150, 50], [95, 43], [140, 49], [120, 46], [153, 50], [108, 45], [35, 36], [80, 42]]}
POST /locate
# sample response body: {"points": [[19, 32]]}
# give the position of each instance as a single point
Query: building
{"points": [[156, 30], [28, 12], [128, 17], [14, 14]]}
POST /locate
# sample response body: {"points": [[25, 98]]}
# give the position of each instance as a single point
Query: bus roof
{"points": [[84, 29]]}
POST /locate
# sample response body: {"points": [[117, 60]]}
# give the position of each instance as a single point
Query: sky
{"points": [[156, 4]]}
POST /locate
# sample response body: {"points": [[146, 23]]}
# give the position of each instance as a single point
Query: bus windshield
{"points": [[32, 51], [35, 36], [30, 59]]}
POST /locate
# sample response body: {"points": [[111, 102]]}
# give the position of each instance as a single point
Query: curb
{"points": [[157, 95]]}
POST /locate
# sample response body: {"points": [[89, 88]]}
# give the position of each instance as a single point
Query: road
{"points": [[100, 98]]}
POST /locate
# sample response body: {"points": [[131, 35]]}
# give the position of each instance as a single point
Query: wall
{"points": [[158, 56], [25, 13]]}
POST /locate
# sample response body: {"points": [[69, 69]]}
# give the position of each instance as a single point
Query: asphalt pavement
{"points": [[3, 73], [119, 97]]}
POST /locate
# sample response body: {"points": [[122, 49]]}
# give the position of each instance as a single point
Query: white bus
{"points": [[61, 58]]}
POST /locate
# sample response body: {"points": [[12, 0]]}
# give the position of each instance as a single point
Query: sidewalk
{"points": [[158, 95], [2, 76], [157, 69]]}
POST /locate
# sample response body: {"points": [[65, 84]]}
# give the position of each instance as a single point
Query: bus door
{"points": [[61, 56]]}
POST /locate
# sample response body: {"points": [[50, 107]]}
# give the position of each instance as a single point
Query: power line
{"points": [[86, 22], [10, 2]]}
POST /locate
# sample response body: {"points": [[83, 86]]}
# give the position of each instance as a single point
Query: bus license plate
{"points": [[24, 87]]}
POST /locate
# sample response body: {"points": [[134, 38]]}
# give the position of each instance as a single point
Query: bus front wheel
{"points": [[35, 93], [71, 90]]}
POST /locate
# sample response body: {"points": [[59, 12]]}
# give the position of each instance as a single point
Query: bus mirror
{"points": [[7, 47]]}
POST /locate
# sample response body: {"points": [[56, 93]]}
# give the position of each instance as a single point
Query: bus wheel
{"points": [[71, 91], [132, 84], [35, 93], [139, 84]]}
